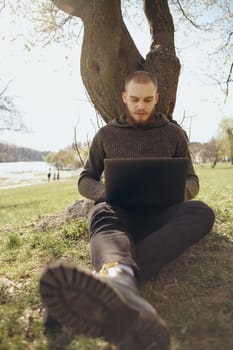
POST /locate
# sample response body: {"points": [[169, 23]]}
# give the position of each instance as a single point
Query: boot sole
{"points": [[90, 306]]}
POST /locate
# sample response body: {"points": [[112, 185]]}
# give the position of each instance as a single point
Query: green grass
{"points": [[17, 205], [193, 293]]}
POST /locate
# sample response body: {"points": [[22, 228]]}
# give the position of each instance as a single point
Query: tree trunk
{"points": [[230, 139], [109, 53], [162, 60]]}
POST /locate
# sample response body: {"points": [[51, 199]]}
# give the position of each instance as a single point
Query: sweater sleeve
{"points": [[192, 180], [89, 182]]}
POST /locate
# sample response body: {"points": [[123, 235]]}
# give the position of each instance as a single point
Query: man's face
{"points": [[140, 100]]}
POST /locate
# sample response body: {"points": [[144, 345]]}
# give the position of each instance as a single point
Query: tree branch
{"points": [[58, 26], [160, 22], [3, 6], [5, 88], [229, 79], [229, 38], [162, 60], [76, 146], [187, 17]]}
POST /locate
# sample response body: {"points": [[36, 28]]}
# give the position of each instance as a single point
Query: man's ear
{"points": [[124, 96]]}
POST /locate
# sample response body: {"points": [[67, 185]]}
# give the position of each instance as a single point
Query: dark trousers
{"points": [[146, 238]]}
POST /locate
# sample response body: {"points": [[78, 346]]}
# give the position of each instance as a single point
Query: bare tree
{"points": [[215, 17], [226, 129], [80, 151], [10, 118], [213, 150]]}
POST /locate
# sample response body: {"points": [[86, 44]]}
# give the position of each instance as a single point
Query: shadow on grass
{"points": [[194, 295]]}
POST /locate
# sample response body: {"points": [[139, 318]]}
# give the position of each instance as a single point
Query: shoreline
{"points": [[13, 186], [33, 179]]}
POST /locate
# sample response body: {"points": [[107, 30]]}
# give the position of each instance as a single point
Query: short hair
{"points": [[141, 77]]}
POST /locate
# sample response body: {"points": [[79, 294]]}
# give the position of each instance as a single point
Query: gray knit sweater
{"points": [[118, 139]]}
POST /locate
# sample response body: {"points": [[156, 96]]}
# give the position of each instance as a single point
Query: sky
{"points": [[47, 88]]}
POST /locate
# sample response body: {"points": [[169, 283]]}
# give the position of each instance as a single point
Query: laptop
{"points": [[140, 182]]}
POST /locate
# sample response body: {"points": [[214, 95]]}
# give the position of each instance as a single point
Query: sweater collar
{"points": [[157, 121]]}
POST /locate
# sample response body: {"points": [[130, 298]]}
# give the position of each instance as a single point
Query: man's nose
{"points": [[141, 104]]}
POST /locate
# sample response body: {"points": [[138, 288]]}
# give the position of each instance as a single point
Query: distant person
{"points": [[127, 245], [49, 175], [58, 175]]}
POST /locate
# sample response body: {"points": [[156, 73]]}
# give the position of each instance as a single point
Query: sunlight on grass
{"points": [[193, 293], [216, 189], [17, 205]]}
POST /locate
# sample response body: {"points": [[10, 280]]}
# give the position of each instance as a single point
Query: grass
{"points": [[193, 293], [17, 205]]}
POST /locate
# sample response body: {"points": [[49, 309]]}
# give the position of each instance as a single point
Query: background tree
{"points": [[226, 133], [215, 17], [66, 158], [212, 151], [208, 152], [12, 153], [10, 117]]}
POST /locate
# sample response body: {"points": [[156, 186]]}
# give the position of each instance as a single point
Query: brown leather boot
{"points": [[97, 305]]}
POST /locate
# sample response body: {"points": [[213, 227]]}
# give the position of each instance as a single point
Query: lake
{"points": [[14, 174]]}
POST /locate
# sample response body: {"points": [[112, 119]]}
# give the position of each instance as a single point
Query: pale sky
{"points": [[48, 91]]}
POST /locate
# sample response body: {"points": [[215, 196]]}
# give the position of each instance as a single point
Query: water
{"points": [[14, 174]]}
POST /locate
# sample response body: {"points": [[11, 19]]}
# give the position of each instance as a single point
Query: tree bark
{"points": [[230, 139], [109, 53], [162, 60]]}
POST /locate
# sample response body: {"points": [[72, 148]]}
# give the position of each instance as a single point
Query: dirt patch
{"points": [[79, 209]]}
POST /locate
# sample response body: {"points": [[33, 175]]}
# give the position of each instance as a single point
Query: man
{"points": [[127, 245]]}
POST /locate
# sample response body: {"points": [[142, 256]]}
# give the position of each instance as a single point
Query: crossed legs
{"points": [[146, 239]]}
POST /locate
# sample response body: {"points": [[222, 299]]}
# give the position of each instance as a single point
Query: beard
{"points": [[138, 123]]}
